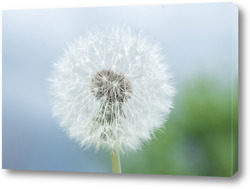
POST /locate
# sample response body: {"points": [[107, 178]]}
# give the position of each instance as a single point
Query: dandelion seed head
{"points": [[112, 89]]}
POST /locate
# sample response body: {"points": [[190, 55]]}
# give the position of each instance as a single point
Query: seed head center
{"points": [[110, 86]]}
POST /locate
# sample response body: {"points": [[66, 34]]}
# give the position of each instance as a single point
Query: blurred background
{"points": [[200, 42]]}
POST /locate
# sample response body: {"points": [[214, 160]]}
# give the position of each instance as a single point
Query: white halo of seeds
{"points": [[112, 89]]}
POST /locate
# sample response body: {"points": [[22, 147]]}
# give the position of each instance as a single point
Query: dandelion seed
{"points": [[112, 90]]}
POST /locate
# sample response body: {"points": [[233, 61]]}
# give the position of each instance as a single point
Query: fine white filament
{"points": [[112, 89]]}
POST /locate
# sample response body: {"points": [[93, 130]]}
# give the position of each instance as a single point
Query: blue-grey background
{"points": [[199, 40]]}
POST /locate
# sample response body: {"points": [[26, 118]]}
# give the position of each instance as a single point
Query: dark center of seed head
{"points": [[111, 86]]}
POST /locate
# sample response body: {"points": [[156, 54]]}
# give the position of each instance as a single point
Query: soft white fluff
{"points": [[136, 118]]}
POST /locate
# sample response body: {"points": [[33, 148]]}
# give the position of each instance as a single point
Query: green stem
{"points": [[116, 162]]}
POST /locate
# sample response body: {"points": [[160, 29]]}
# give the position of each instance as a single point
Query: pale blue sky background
{"points": [[198, 39]]}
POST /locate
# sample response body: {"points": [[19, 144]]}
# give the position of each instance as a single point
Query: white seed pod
{"points": [[112, 89]]}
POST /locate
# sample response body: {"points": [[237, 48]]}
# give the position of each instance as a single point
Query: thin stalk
{"points": [[116, 162]]}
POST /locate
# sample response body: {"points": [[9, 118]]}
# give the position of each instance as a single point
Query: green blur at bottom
{"points": [[200, 137]]}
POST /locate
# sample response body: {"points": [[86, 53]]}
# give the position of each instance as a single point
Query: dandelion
{"points": [[112, 90]]}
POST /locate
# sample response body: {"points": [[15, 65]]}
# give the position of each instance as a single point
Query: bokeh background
{"points": [[200, 41]]}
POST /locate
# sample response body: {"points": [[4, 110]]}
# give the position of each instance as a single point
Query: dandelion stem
{"points": [[116, 162]]}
